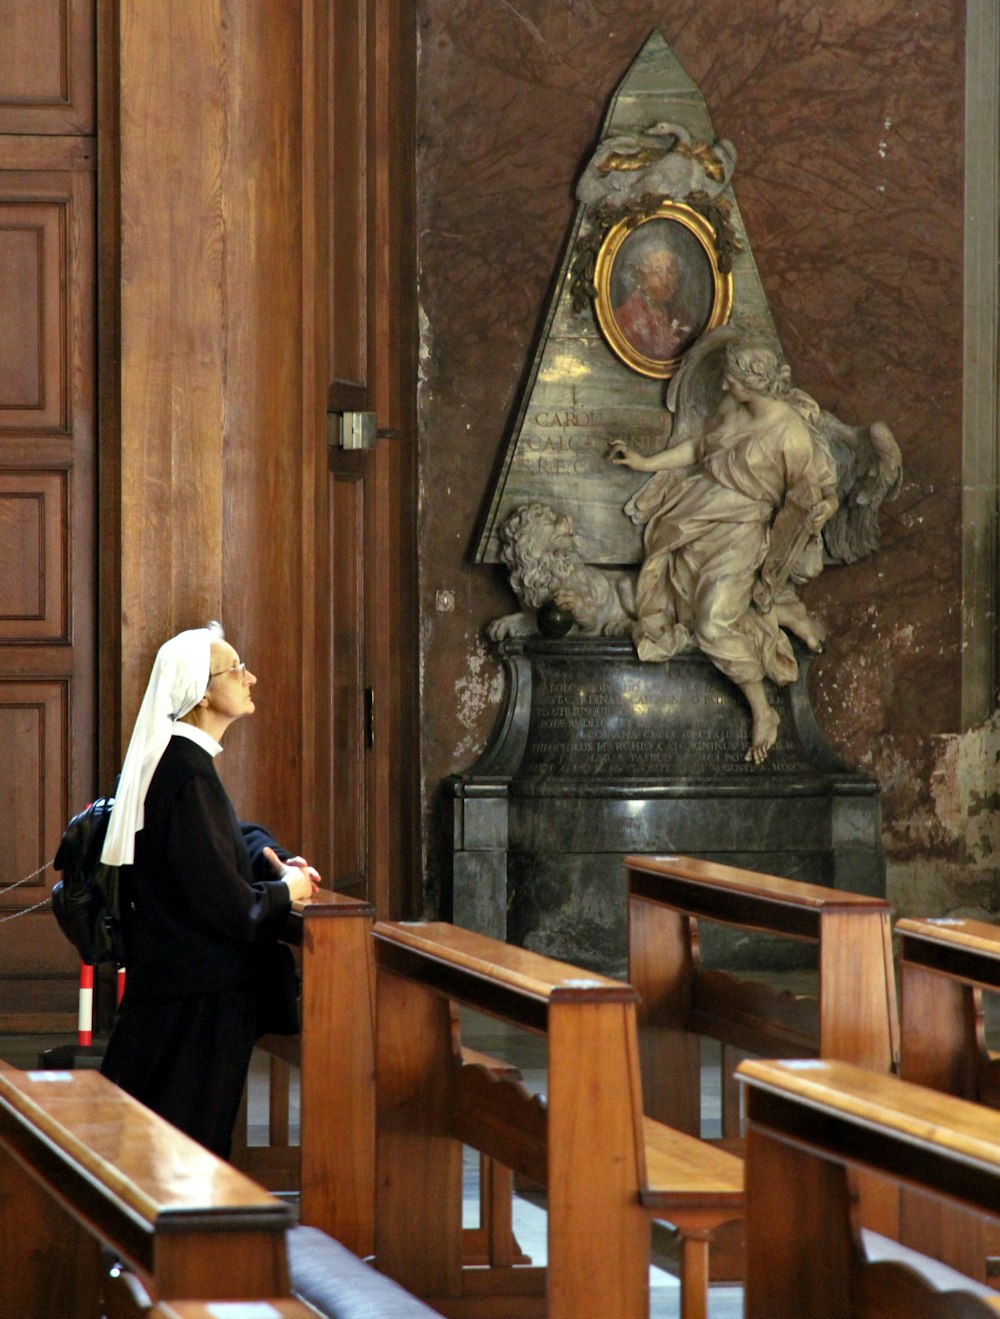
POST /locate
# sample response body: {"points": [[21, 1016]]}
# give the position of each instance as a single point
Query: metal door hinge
{"points": [[352, 430], [369, 718]]}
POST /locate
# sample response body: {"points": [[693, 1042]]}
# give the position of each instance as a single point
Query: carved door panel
{"points": [[47, 490], [372, 555], [349, 377], [351, 706]]}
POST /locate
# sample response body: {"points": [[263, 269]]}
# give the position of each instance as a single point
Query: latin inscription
{"points": [[572, 441], [639, 731]]}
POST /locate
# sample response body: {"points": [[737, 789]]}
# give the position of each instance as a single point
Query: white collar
{"points": [[198, 736]]}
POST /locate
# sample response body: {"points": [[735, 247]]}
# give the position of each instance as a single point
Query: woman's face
{"points": [[740, 392], [229, 688]]}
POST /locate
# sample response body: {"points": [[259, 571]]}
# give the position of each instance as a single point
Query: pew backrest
{"points": [[810, 1124], [331, 935], [126, 1298], [945, 964], [279, 1308], [183, 1219], [587, 1139], [852, 1017], [338, 1009], [535, 993]]}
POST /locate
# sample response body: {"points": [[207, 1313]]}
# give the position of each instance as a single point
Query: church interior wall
{"points": [[848, 123]]}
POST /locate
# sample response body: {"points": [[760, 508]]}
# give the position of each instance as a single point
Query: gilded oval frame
{"points": [[643, 337]]}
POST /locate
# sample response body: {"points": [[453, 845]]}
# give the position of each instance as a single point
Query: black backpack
{"points": [[88, 901]]}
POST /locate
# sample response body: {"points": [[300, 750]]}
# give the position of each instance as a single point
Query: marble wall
{"points": [[848, 121]]}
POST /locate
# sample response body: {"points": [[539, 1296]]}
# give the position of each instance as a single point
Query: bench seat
{"points": [[329, 1277], [685, 1175]]}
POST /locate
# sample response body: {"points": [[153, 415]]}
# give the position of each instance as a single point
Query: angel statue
{"points": [[754, 479]]}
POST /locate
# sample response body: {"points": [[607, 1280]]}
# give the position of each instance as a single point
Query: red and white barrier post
{"points": [[85, 1010]]}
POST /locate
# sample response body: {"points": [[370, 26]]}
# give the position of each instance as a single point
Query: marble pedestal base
{"points": [[597, 755]]}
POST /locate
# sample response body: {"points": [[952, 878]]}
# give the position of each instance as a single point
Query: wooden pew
{"points": [[84, 1168], [126, 1298], [810, 1123], [945, 965], [332, 937], [89, 1177], [277, 1308], [607, 1169], [853, 1017], [329, 1282]]}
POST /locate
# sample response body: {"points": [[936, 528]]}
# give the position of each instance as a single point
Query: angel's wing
{"points": [[869, 470], [695, 390]]}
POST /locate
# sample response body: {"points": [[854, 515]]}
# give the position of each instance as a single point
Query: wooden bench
{"points": [[945, 965], [90, 1177], [277, 1308], [607, 1169], [329, 1282], [331, 936], [126, 1298], [84, 1168], [853, 1016], [811, 1123]]}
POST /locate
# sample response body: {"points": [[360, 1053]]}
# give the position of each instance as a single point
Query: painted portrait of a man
{"points": [[661, 290]]}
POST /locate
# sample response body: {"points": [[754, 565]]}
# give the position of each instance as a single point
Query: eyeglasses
{"points": [[241, 669]]}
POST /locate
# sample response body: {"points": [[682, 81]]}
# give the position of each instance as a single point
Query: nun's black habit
{"points": [[202, 925]]}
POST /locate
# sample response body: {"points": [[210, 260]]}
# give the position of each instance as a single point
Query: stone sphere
{"points": [[553, 621]]}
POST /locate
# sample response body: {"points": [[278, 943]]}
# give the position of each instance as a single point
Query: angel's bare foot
{"points": [[763, 736], [764, 730]]}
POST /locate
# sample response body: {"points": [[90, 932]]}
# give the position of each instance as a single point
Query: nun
{"points": [[203, 919]]}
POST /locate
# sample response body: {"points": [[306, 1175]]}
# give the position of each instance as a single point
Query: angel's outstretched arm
{"points": [[681, 455]]}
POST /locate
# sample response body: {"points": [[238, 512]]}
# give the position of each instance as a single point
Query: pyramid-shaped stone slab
{"points": [[579, 396]]}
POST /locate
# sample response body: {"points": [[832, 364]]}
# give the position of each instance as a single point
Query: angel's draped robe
{"points": [[707, 534]]}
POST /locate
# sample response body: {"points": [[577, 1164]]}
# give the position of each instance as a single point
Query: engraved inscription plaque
{"points": [[647, 722]]}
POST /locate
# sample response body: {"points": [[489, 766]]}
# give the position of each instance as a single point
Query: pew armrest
{"points": [[133, 1180]]}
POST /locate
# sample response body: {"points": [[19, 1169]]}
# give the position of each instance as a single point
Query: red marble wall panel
{"points": [[848, 121]]}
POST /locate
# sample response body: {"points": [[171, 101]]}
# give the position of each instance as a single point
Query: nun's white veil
{"points": [[177, 683]]}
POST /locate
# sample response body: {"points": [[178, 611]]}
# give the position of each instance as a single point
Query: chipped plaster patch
{"points": [[902, 767], [426, 346], [893, 769], [929, 888], [965, 785], [479, 691]]}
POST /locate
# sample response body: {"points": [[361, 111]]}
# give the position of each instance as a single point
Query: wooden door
{"points": [[351, 711], [374, 784], [47, 483]]}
